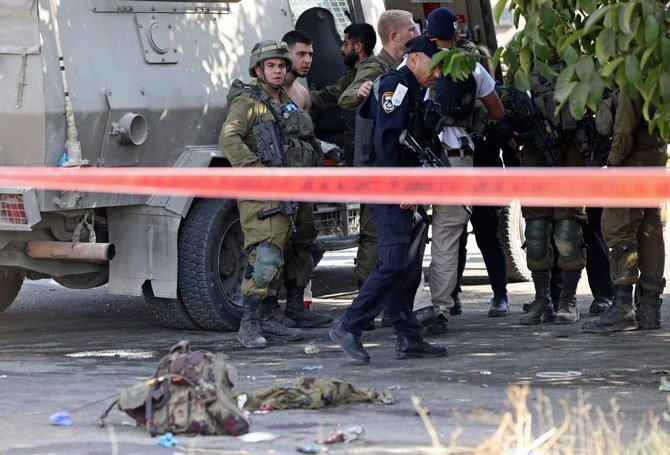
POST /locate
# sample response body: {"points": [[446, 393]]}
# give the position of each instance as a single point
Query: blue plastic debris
{"points": [[61, 419], [167, 440]]}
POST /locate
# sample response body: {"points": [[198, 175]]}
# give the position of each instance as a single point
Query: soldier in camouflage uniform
{"points": [[395, 28], [271, 243], [561, 223], [634, 235]]}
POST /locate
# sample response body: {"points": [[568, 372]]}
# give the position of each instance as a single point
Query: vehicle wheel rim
{"points": [[232, 262]]}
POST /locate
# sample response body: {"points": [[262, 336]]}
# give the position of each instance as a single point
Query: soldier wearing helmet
{"points": [[265, 128]]}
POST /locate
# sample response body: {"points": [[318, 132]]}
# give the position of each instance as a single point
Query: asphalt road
{"points": [[66, 350]]}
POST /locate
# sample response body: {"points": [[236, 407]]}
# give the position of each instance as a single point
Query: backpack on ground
{"points": [[189, 393]]}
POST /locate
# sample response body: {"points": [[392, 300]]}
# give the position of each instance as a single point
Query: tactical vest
{"points": [[295, 129], [542, 93], [455, 101]]}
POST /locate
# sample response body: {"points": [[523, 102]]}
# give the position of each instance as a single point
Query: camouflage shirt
{"points": [[328, 97], [236, 138], [631, 131], [369, 70]]}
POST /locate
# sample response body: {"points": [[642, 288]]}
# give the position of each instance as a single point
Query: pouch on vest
{"points": [[364, 144], [191, 392]]}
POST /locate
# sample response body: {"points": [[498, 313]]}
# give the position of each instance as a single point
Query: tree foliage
{"points": [[622, 45]]}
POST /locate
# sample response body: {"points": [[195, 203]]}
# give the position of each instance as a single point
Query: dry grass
{"points": [[564, 429]]}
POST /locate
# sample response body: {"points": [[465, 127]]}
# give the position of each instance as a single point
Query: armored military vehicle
{"points": [[111, 83]]}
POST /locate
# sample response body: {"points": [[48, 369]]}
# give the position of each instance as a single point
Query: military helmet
{"points": [[266, 50]]}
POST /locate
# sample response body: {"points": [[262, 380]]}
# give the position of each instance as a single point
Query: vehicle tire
{"points": [[10, 283], [512, 228], [211, 264], [84, 280], [317, 256], [171, 313]]}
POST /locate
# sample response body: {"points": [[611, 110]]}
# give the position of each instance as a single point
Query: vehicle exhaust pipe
{"points": [[73, 251]]}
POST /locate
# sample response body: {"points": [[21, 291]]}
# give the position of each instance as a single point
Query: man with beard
{"points": [[358, 44], [300, 45]]}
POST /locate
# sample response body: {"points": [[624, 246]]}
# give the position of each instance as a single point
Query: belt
{"points": [[458, 153]]}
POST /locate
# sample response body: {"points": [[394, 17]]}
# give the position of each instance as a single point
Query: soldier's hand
{"points": [[364, 89]]}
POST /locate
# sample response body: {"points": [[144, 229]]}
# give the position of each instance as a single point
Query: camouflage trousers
{"points": [[367, 257], [635, 235], [570, 156], [294, 248]]}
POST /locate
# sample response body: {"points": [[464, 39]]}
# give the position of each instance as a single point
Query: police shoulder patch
{"points": [[387, 102]]}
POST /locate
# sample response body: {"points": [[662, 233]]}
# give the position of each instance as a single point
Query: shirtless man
{"points": [[300, 46]]}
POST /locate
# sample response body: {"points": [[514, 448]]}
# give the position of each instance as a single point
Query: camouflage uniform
{"points": [[634, 235], [238, 144], [369, 70], [270, 243], [560, 223], [329, 96]]}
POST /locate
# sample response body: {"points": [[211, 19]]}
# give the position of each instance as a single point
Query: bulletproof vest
{"points": [[542, 93], [455, 100], [294, 128]]}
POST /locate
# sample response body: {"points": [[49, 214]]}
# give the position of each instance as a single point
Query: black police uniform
{"points": [[393, 284]]}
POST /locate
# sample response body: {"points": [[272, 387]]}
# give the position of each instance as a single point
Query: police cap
{"points": [[423, 43]]}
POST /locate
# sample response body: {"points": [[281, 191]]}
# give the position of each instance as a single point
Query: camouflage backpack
{"points": [[190, 393]]}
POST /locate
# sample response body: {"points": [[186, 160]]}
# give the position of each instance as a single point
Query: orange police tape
{"points": [[614, 187]]}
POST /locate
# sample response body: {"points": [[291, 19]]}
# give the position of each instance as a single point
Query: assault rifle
{"points": [[533, 127], [595, 146], [426, 156], [288, 208], [271, 152]]}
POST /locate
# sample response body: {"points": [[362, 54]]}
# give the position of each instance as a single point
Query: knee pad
{"points": [[569, 243], [268, 262], [539, 253], [623, 264]]}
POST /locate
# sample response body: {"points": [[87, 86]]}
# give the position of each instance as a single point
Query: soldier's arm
{"points": [[626, 122], [240, 120], [326, 98], [349, 98]]}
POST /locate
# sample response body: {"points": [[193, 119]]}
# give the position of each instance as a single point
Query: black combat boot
{"points": [[619, 317], [296, 311], [457, 308], [272, 323], [541, 310], [648, 311], [270, 308], [499, 305], [249, 333], [405, 349], [600, 305], [350, 343], [568, 311]]}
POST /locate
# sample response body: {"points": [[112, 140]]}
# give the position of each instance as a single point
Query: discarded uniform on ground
{"points": [[189, 393], [311, 393]]}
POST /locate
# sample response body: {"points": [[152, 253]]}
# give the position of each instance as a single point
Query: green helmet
{"points": [[266, 50]]}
